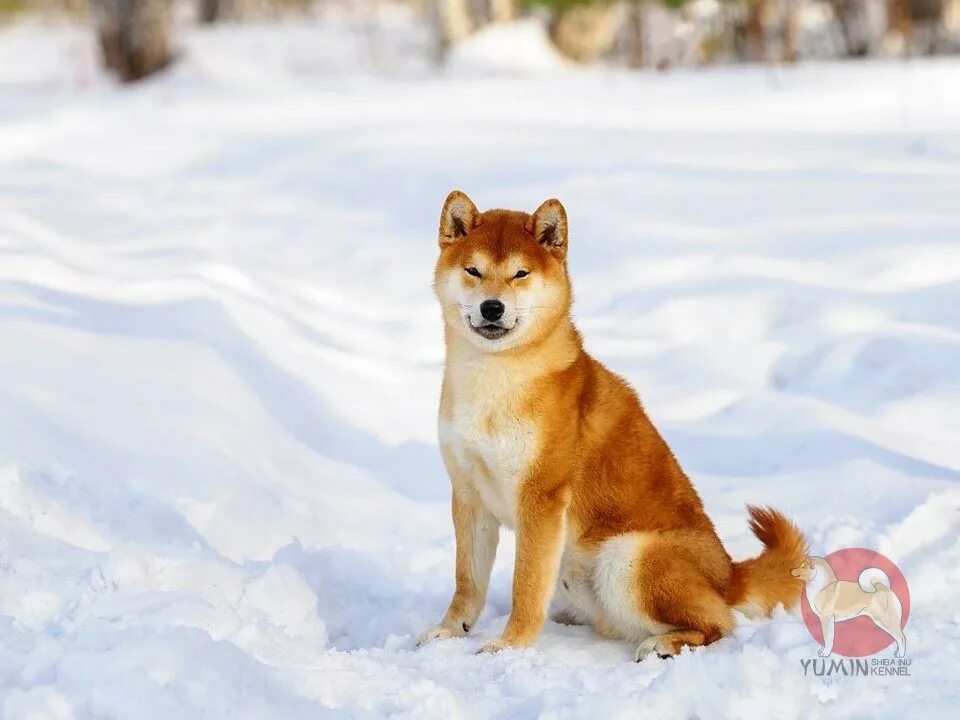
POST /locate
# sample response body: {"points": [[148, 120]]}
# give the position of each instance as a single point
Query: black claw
{"points": [[466, 627], [659, 655], [566, 585]]}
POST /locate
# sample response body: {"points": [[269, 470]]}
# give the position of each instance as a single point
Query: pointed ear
{"points": [[548, 225], [458, 217]]}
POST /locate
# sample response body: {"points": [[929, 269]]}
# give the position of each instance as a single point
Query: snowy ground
{"points": [[220, 493]]}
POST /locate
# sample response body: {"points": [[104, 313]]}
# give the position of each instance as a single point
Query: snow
{"points": [[507, 49], [220, 491]]}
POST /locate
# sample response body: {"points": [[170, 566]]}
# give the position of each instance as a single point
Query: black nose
{"points": [[491, 310]]}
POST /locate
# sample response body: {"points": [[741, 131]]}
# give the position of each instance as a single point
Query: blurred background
{"points": [[138, 37]]}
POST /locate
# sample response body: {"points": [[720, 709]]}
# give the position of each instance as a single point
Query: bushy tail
{"points": [[763, 582]]}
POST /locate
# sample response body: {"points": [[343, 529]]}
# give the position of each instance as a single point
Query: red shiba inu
{"points": [[538, 436]]}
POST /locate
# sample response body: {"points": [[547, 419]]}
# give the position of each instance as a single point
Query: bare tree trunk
{"points": [[209, 11], [637, 34], [133, 36], [898, 19], [451, 21], [852, 17], [918, 22], [585, 32], [502, 10], [755, 32], [791, 31]]}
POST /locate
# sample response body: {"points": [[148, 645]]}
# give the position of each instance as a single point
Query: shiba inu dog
{"points": [[539, 437], [834, 601]]}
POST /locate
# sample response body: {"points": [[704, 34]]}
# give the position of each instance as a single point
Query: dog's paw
{"points": [[442, 632], [565, 617], [649, 647], [498, 644], [823, 652], [493, 646]]}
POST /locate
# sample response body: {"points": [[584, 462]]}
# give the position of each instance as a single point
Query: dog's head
{"points": [[807, 570], [502, 275]]}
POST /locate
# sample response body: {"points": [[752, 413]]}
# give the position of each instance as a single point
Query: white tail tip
{"points": [[871, 577]]}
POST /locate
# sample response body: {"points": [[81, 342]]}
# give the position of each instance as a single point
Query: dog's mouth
{"points": [[490, 331]]}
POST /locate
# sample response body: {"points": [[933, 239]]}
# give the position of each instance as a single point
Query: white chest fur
{"points": [[484, 431]]}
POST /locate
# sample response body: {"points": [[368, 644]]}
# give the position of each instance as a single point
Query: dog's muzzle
{"points": [[491, 331]]}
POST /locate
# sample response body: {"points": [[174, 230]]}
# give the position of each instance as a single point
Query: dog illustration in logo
{"points": [[834, 600]]}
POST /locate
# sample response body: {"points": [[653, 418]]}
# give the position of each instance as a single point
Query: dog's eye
{"points": [[521, 274], [472, 271]]}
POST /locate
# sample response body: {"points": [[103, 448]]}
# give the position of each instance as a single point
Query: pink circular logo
{"points": [[855, 602]]}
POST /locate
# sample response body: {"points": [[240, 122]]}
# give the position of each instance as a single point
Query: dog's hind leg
{"points": [[699, 613], [671, 643], [899, 638], [675, 594], [888, 620]]}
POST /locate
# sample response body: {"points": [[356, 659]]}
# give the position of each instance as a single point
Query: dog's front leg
{"points": [[826, 625], [541, 529], [477, 533]]}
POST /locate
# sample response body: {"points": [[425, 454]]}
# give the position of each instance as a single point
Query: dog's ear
{"points": [[458, 217], [548, 225]]}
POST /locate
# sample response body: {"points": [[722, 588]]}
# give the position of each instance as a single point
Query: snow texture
{"points": [[220, 491]]}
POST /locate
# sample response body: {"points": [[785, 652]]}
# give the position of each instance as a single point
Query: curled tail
{"points": [[873, 579], [761, 583]]}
